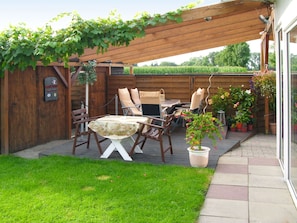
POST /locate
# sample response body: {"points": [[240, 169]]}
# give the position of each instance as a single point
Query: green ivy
{"points": [[21, 47]]}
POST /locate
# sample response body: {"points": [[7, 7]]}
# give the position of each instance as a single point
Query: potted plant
{"points": [[250, 123], [265, 83], [242, 118], [199, 126], [221, 101], [233, 127]]}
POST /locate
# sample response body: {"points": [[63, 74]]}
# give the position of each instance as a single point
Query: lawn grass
{"points": [[69, 189]]}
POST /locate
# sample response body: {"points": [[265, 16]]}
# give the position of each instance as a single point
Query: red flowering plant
{"points": [[265, 83], [243, 103], [235, 100], [200, 126], [242, 99]]}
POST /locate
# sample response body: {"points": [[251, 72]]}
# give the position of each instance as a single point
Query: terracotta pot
{"points": [[199, 158], [239, 126], [272, 128], [250, 127], [244, 129], [233, 129], [295, 128]]}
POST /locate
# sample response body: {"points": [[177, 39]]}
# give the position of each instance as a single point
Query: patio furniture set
{"points": [[144, 114]]}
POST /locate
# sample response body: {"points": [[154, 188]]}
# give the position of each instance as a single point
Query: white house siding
{"points": [[285, 23]]}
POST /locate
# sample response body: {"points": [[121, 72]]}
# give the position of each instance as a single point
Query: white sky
{"points": [[36, 13]]}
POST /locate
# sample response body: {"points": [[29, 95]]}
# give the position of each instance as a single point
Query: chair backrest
{"points": [[128, 106], [196, 99], [167, 123], [79, 115], [160, 128], [150, 103], [80, 119], [135, 96]]}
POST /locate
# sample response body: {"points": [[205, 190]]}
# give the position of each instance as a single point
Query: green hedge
{"points": [[185, 70]]}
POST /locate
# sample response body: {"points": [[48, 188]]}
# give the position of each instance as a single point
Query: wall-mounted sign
{"points": [[50, 89]]}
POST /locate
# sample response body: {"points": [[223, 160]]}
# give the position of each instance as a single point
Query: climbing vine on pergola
{"points": [[21, 47]]}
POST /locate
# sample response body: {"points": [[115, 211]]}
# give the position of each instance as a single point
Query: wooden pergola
{"points": [[226, 23], [202, 28]]}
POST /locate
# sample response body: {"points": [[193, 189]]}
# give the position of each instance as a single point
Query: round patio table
{"points": [[118, 128]]}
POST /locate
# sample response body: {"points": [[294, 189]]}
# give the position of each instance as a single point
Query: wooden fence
{"points": [[104, 92], [28, 120], [182, 87]]}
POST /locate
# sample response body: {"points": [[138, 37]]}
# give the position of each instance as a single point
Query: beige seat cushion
{"points": [[135, 96], [126, 101], [197, 98], [149, 97]]}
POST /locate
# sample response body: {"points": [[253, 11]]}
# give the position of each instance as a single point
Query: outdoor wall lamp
{"points": [[264, 19], [208, 18]]}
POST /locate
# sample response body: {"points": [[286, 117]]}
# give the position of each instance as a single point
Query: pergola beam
{"points": [[230, 23]]}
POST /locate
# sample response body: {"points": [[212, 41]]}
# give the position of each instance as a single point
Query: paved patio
{"points": [[151, 149], [248, 186]]}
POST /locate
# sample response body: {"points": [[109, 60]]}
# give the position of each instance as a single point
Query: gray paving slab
{"points": [[272, 213], [269, 200], [230, 179], [225, 208]]}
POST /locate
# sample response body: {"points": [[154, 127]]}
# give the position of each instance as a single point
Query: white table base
{"points": [[116, 145]]}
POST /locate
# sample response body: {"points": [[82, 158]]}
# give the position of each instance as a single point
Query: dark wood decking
{"points": [[151, 150]]}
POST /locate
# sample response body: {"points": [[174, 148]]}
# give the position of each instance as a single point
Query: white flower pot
{"points": [[199, 158]]}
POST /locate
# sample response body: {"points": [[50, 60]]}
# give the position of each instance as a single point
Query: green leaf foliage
{"points": [[21, 47], [184, 70], [235, 55], [88, 74]]}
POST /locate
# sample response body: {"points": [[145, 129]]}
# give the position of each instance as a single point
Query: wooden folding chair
{"points": [[135, 97], [155, 132], [196, 100], [129, 108], [150, 103], [80, 118], [194, 106]]}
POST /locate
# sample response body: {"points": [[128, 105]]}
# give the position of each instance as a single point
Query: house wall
{"points": [[285, 23]]}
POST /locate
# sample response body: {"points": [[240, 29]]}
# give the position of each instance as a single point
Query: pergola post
{"points": [[131, 70], [264, 56], [264, 66]]}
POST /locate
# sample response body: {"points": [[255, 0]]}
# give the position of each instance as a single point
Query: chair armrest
{"points": [[155, 118], [151, 125]]}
